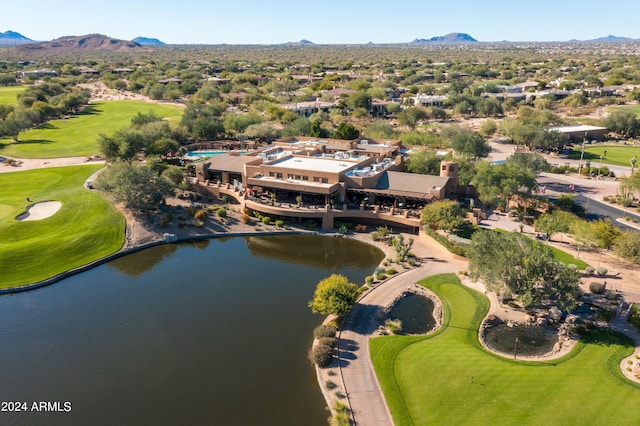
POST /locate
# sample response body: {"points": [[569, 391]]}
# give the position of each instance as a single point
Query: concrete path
{"points": [[361, 385]]}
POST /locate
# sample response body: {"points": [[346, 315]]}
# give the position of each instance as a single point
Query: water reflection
{"points": [[532, 340], [415, 312], [202, 333], [311, 250], [146, 260]]}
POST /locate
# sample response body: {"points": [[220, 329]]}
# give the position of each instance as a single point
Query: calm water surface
{"points": [[214, 332]]}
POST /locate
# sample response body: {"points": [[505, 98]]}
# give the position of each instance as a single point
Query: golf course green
{"points": [[78, 134], [8, 94], [619, 155], [86, 227], [449, 378]]}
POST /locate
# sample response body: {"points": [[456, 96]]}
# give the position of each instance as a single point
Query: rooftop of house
{"points": [[577, 128], [318, 163]]}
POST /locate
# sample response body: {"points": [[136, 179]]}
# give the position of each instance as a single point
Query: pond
{"points": [[532, 340], [415, 311], [213, 332]]}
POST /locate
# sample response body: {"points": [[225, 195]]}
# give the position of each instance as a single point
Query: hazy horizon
{"points": [[332, 22]]}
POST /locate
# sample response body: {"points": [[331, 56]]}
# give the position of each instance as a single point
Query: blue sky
{"points": [[323, 22]]}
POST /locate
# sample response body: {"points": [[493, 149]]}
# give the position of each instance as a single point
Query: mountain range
{"points": [[102, 42]]}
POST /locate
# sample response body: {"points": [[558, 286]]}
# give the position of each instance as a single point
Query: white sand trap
{"points": [[40, 211]]}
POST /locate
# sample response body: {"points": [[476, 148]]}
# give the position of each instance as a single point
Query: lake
{"points": [[211, 332]]}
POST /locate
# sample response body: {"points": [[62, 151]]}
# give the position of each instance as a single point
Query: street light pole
{"points": [[515, 351], [582, 155]]}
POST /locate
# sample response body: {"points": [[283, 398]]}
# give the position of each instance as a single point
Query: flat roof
{"points": [[317, 164], [577, 128]]}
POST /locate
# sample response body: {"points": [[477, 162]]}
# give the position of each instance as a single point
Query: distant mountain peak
{"points": [[449, 38], [147, 41], [303, 42], [85, 42], [612, 38], [12, 38]]}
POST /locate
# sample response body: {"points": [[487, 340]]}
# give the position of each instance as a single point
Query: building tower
{"points": [[450, 169]]}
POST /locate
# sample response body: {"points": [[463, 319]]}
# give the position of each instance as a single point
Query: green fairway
{"points": [[448, 378], [8, 94], [619, 155], [78, 135], [86, 228], [632, 108]]}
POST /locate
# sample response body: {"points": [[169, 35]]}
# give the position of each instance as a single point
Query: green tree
{"points": [[466, 142], [334, 295], [497, 184], [412, 116], [627, 245], [623, 122], [346, 131], [512, 262], [424, 162], [137, 186], [447, 215], [556, 221]]}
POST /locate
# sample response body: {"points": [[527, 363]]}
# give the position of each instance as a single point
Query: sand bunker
{"points": [[41, 210]]}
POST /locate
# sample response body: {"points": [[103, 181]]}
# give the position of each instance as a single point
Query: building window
{"points": [[298, 177], [279, 176], [444, 168], [325, 180], [271, 174], [316, 179], [289, 176], [305, 177], [451, 168]]}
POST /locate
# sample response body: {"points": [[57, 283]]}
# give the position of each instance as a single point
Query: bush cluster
{"points": [[321, 354], [324, 330], [596, 287]]}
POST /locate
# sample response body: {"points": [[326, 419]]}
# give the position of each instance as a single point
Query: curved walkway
{"points": [[367, 402]]}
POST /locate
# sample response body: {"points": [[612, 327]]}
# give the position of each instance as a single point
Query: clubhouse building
{"points": [[327, 180]]}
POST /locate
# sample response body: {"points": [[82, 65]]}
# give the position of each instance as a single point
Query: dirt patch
{"points": [[39, 211]]}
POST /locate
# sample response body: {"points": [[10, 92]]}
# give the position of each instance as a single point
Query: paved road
{"points": [[367, 402]]}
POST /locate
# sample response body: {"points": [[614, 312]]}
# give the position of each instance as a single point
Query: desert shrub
{"points": [[324, 330], [602, 270], [361, 228], [381, 277], [589, 270], [596, 287], [246, 219], [391, 271], [380, 234], [368, 280], [279, 223], [222, 213], [266, 220], [330, 384], [393, 325], [200, 215], [341, 416], [634, 316], [321, 355], [604, 315]]}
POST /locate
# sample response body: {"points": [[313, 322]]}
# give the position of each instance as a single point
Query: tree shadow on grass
{"points": [[33, 142]]}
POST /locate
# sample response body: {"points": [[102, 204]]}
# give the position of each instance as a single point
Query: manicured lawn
{"points": [[448, 378], [86, 228], [8, 94], [617, 155], [78, 135], [561, 256], [633, 108]]}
